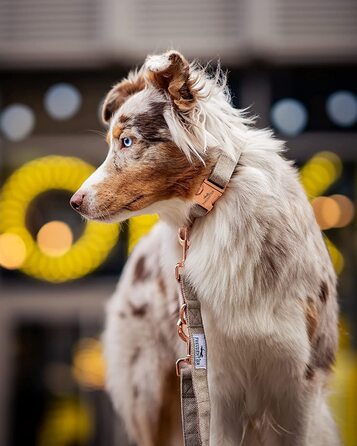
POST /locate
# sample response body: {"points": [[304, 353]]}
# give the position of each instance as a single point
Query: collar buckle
{"points": [[208, 194]]}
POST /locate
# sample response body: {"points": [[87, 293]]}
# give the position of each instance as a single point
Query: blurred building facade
{"points": [[294, 63]]}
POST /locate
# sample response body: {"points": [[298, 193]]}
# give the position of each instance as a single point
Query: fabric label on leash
{"points": [[200, 351]]}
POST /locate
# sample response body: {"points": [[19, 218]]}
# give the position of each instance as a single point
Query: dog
{"points": [[257, 262]]}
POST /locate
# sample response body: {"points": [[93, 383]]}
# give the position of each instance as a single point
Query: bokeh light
{"points": [[316, 176], [88, 364], [337, 258], [17, 122], [335, 211], [327, 212], [26, 183], [289, 116], [12, 251], [347, 210], [341, 108], [55, 238], [320, 172], [67, 422], [62, 101]]}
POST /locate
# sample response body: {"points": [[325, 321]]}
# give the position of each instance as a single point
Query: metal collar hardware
{"points": [[208, 194]]}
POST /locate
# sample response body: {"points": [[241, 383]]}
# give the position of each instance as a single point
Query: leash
{"points": [[192, 369]]}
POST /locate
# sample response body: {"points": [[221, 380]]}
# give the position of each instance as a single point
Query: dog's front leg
{"points": [[228, 422], [291, 413]]}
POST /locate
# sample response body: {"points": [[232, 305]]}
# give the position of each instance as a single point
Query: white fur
{"points": [[137, 103], [157, 63]]}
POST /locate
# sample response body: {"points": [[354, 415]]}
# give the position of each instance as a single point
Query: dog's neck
{"points": [[242, 246], [217, 254], [211, 236], [218, 169]]}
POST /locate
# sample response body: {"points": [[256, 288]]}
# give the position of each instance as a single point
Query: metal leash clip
{"points": [[182, 321], [180, 324], [184, 242]]}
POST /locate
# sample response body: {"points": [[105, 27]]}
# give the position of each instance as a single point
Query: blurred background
{"points": [[294, 62]]}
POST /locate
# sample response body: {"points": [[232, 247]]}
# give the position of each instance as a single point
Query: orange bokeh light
{"points": [[347, 210], [12, 251], [335, 211], [55, 238], [327, 212]]}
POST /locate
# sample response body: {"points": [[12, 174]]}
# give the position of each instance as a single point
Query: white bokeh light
{"points": [[17, 122], [62, 101], [289, 116], [341, 108]]}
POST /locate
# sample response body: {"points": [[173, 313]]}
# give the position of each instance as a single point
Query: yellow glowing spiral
{"points": [[25, 184]]}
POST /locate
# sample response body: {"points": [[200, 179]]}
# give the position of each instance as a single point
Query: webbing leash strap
{"points": [[195, 402]]}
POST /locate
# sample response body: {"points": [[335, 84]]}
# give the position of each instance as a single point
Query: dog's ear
{"points": [[116, 97], [171, 72]]}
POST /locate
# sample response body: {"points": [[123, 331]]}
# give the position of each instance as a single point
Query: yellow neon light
{"points": [[90, 250], [138, 227], [34, 178]]}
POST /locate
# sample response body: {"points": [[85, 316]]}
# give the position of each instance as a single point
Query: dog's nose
{"points": [[77, 200]]}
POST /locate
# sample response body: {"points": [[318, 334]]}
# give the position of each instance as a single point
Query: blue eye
{"points": [[127, 142]]}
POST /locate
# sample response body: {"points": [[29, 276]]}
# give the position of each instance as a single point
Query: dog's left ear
{"points": [[171, 72]]}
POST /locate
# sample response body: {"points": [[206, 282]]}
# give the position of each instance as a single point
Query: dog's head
{"points": [[151, 117]]}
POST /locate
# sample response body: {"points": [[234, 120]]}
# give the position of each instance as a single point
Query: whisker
{"points": [[97, 132]]}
